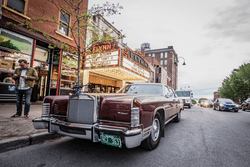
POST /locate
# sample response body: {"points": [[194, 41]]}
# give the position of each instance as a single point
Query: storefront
{"points": [[108, 68], [13, 47], [56, 69]]}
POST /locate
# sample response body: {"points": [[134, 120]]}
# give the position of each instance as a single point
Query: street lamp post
{"points": [[176, 64], [183, 59]]}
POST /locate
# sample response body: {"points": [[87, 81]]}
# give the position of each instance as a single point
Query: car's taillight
{"points": [[135, 117]]}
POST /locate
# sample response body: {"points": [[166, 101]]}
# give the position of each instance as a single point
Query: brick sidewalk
{"points": [[19, 130]]}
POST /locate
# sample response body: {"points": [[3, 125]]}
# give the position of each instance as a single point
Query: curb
{"points": [[20, 142], [14, 103]]}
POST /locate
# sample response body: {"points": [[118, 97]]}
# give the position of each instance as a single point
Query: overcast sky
{"points": [[212, 35]]}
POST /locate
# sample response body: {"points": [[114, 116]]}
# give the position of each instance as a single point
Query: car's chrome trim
{"points": [[146, 132], [131, 138], [118, 122], [170, 119], [54, 115]]}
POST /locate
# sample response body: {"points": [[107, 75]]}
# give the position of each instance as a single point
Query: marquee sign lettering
{"points": [[104, 47]]}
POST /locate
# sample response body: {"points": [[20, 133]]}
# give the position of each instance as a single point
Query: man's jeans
{"points": [[19, 97]]}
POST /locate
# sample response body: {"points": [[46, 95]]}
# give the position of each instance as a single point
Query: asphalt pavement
{"points": [[19, 132], [203, 138]]}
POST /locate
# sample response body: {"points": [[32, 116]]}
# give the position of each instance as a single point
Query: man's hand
{"points": [[15, 76]]}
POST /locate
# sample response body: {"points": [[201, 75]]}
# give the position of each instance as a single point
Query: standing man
{"points": [[25, 78]]}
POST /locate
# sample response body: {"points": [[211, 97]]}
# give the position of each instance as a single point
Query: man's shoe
{"points": [[26, 116], [15, 115]]}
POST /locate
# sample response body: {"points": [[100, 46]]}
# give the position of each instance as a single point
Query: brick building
{"points": [[167, 60], [56, 66], [216, 95]]}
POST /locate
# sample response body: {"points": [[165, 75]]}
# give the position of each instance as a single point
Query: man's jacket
{"points": [[31, 77]]}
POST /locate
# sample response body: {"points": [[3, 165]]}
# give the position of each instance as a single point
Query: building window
{"points": [[166, 54], [17, 5], [165, 68], [165, 62], [153, 55], [64, 23], [149, 55], [161, 55], [161, 62]]}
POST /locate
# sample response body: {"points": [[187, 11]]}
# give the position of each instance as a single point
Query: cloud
{"points": [[233, 22]]}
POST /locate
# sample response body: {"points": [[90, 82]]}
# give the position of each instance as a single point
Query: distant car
{"points": [[208, 103], [201, 103], [225, 105], [246, 105]]}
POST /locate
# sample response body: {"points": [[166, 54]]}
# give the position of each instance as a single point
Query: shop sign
{"points": [[15, 42]]}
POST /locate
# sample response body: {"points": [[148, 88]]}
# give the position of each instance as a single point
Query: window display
{"points": [[9, 62], [41, 54], [69, 70], [54, 75]]}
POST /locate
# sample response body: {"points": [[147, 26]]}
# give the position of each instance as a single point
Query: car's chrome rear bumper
{"points": [[131, 138]]}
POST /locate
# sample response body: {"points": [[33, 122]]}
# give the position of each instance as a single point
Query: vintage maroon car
{"points": [[135, 115]]}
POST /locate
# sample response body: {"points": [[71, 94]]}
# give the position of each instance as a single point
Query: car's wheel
{"points": [[236, 110], [178, 117], [189, 106], [154, 139], [243, 109]]}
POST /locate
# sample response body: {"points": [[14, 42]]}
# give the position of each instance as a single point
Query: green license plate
{"points": [[111, 140]]}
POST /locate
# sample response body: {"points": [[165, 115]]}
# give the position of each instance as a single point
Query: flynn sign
{"points": [[104, 47]]}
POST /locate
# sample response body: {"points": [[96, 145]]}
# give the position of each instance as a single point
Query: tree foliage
{"points": [[194, 101], [202, 99], [236, 86]]}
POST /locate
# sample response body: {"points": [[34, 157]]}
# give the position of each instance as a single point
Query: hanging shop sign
{"points": [[15, 42]]}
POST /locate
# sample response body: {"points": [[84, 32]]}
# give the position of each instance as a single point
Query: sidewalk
{"points": [[19, 132]]}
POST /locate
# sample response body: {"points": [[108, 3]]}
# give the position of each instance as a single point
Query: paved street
{"points": [[204, 137]]}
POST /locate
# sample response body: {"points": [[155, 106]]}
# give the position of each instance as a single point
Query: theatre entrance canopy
{"points": [[108, 64]]}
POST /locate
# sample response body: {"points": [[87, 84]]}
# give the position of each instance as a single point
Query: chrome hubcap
{"points": [[155, 129]]}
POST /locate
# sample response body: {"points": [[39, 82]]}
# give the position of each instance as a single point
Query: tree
{"points": [[236, 86], [194, 101], [78, 28], [202, 99]]}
